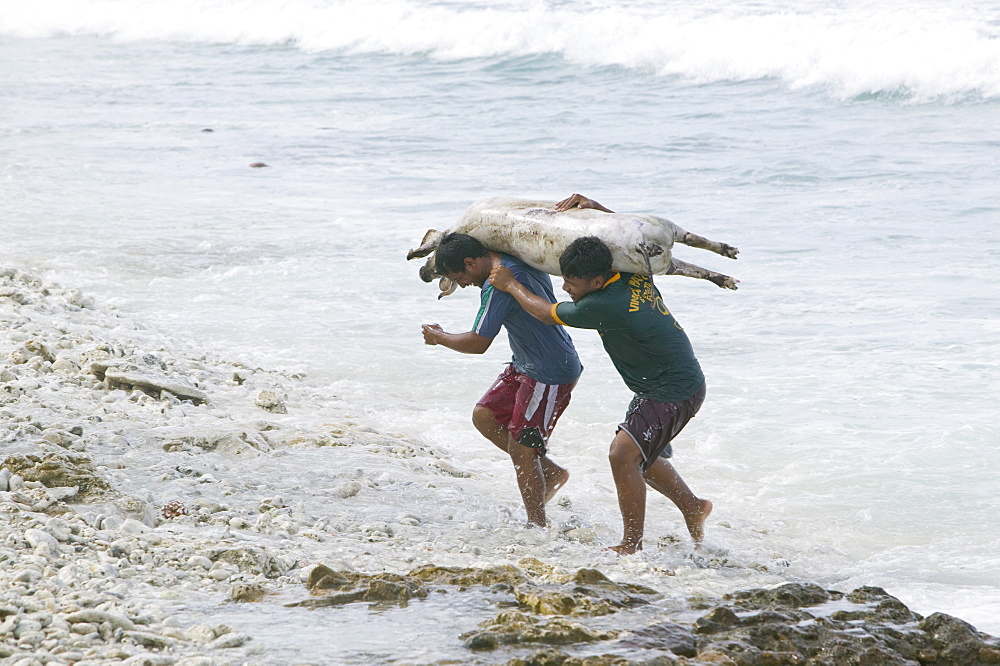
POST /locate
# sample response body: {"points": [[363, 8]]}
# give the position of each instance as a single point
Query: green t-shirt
{"points": [[647, 345]]}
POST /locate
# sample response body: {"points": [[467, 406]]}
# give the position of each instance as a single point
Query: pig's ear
{"points": [[427, 245]]}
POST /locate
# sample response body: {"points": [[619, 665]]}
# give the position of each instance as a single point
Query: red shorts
{"points": [[528, 408]]}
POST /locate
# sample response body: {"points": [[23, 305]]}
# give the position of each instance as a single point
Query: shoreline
{"points": [[143, 478]]}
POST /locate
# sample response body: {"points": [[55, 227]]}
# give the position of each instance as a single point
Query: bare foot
{"points": [[554, 482], [626, 549], [696, 522]]}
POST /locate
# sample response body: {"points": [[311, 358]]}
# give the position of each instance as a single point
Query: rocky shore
{"points": [[138, 478]]}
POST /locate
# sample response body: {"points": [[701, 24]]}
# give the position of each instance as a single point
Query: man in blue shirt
{"points": [[520, 410]]}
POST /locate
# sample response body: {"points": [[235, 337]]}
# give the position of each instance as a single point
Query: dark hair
{"points": [[587, 257], [454, 249]]}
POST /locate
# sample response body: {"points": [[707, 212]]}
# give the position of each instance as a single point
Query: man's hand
{"points": [[579, 201], [431, 333], [501, 277], [467, 343]]}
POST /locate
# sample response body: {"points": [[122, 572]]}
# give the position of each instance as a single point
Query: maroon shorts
{"points": [[528, 408], [653, 424]]}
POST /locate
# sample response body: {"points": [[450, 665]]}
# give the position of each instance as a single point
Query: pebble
{"points": [[200, 561], [201, 633], [116, 620], [36, 538], [132, 526], [347, 489], [271, 401], [153, 382], [231, 640]]}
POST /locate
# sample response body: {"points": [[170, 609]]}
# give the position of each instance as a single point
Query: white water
{"points": [[851, 152]]}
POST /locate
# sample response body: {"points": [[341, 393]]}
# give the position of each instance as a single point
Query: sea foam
{"points": [[850, 49]]}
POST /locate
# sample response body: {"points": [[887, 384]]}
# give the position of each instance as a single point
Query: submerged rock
{"points": [[251, 559], [668, 636], [240, 442], [60, 470], [271, 401], [588, 592], [152, 383], [247, 592], [778, 625], [880, 606], [464, 577], [515, 628], [384, 588], [957, 642], [791, 595], [322, 577], [769, 627], [555, 658]]}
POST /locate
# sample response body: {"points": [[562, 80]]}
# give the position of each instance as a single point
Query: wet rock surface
{"points": [[516, 628], [60, 470], [589, 592], [794, 624]]}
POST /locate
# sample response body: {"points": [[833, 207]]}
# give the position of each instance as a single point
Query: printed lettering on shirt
{"points": [[642, 292]]}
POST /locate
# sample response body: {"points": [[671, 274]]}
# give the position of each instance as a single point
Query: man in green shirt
{"points": [[654, 357]]}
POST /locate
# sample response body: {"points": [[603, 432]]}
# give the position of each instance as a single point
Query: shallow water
{"points": [[851, 416]]}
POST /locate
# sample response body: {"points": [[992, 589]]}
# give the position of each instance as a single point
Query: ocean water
{"points": [[851, 150]]}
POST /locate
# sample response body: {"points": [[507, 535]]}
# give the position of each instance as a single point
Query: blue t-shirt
{"points": [[544, 353]]}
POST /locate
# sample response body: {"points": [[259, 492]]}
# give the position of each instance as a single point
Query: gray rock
{"points": [[58, 528], [147, 639], [251, 559], [347, 489], [59, 493], [92, 615], [152, 383], [132, 526], [38, 537], [146, 659], [247, 592], [243, 442], [231, 640], [665, 635], [201, 634], [271, 401], [196, 661], [111, 523]]}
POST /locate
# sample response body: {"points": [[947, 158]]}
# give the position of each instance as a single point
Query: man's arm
{"points": [[579, 201], [467, 343], [503, 279]]}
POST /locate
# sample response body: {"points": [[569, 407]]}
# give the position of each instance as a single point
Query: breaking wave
{"points": [[910, 47]]}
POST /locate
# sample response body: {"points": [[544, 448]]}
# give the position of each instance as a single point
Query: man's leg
{"points": [[626, 468], [663, 478], [555, 476], [530, 480], [489, 428]]}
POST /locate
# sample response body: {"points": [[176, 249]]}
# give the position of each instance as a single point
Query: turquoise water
{"points": [[851, 152]]}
